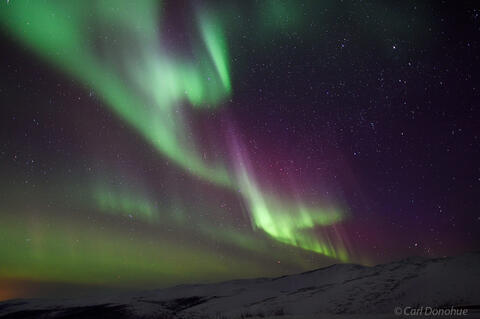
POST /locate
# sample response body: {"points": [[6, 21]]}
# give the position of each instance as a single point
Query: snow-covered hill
{"points": [[338, 291]]}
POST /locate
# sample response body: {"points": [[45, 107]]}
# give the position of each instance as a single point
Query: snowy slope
{"points": [[338, 291]]}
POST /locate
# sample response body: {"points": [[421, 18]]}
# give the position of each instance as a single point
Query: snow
{"points": [[338, 291]]}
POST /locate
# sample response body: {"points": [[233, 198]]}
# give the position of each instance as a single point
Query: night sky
{"points": [[147, 144]]}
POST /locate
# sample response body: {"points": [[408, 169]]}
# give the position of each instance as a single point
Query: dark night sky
{"points": [[323, 132]]}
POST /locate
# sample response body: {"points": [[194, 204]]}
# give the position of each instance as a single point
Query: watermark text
{"points": [[430, 311]]}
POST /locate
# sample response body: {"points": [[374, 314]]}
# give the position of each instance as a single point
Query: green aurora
{"points": [[148, 87]]}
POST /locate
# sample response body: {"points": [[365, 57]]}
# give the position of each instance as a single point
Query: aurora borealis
{"points": [[153, 143]]}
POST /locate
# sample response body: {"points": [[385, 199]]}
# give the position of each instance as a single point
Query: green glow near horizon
{"points": [[58, 252]]}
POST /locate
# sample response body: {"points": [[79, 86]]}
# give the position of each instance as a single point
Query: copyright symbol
{"points": [[398, 311]]}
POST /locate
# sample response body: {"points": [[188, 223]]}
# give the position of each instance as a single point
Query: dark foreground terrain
{"points": [[338, 291]]}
